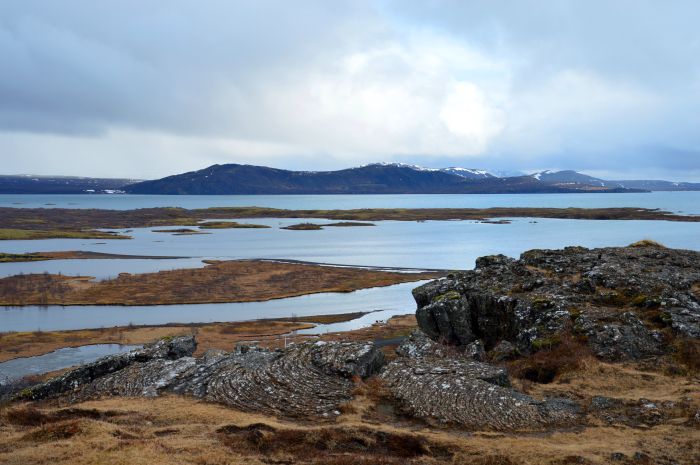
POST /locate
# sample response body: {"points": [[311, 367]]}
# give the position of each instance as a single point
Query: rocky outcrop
{"points": [[163, 351], [450, 387], [623, 302], [306, 380]]}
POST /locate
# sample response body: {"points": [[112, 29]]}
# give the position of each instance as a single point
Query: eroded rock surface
{"points": [[624, 302], [168, 349], [446, 386], [306, 380]]}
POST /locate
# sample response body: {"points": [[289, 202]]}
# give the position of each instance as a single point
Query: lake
{"points": [[429, 244], [685, 202], [57, 360], [386, 301]]}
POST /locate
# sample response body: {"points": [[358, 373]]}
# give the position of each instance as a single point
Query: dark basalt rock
{"points": [[448, 387], [164, 350], [624, 338], [616, 299], [683, 321], [306, 380]]}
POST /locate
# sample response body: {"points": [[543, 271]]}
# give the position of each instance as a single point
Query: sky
{"points": [[149, 88]]}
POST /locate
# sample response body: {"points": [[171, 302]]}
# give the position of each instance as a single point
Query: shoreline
{"points": [[231, 281], [271, 332], [42, 223], [78, 255]]}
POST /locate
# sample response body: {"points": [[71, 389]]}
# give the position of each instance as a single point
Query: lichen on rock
{"points": [[602, 296]]}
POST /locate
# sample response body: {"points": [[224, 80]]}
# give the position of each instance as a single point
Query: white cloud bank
{"points": [[141, 89]]}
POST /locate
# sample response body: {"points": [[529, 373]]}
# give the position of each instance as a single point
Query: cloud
{"points": [[143, 86]]}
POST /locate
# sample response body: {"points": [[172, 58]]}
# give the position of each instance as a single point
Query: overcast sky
{"points": [[143, 89]]}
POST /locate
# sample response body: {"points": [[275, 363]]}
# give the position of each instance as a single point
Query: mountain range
{"points": [[377, 178]]}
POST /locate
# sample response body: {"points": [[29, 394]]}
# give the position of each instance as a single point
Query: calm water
{"points": [[99, 269], [430, 244], [688, 202], [57, 360], [391, 300]]}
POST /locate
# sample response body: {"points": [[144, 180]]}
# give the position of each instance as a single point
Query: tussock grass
{"points": [[647, 243], [554, 357]]}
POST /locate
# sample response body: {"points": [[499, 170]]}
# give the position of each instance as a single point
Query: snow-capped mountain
{"points": [[467, 173], [566, 177]]}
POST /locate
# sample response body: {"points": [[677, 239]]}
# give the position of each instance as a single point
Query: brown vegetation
{"points": [[303, 227], [71, 255], [7, 234], [39, 223], [316, 226], [330, 445], [647, 243], [173, 429], [557, 356], [230, 225], [180, 231], [224, 336], [348, 224], [219, 281]]}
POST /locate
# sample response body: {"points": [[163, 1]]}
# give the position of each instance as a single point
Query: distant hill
{"points": [[31, 184], [569, 178], [381, 178], [653, 185]]}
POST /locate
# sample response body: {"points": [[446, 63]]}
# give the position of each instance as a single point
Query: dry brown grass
{"points": [[75, 221], [70, 255], [687, 353], [174, 430], [558, 355], [331, 445], [230, 225], [629, 382], [219, 281], [647, 243]]}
